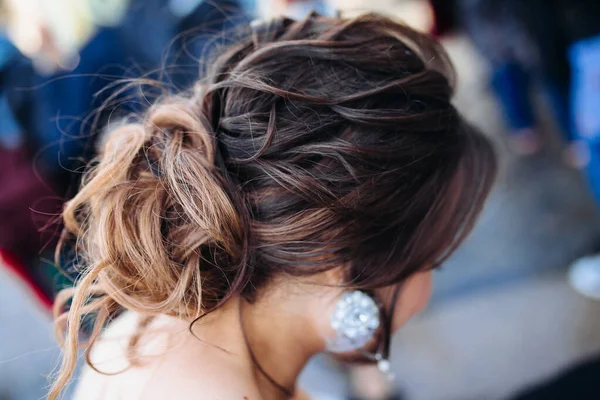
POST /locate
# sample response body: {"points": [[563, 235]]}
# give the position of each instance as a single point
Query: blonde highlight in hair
{"points": [[139, 232]]}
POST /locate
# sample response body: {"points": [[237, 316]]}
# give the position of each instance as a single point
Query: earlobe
{"points": [[413, 298]]}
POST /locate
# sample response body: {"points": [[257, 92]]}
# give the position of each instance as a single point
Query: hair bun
{"points": [[154, 217]]}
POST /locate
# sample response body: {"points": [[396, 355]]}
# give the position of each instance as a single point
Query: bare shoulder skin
{"points": [[171, 364]]}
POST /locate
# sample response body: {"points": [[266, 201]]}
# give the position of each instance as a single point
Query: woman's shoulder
{"points": [[166, 362]]}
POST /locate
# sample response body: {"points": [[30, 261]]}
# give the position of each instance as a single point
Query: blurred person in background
{"points": [[22, 186], [293, 202], [580, 22], [293, 8], [524, 44], [50, 99]]}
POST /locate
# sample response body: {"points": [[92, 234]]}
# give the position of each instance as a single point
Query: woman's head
{"points": [[325, 144]]}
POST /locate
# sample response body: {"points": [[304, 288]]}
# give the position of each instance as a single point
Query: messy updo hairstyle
{"points": [[312, 144]]}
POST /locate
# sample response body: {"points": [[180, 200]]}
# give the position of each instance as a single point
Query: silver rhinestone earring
{"points": [[355, 320]]}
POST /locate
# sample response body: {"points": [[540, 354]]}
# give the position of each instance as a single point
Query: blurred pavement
{"points": [[28, 350]]}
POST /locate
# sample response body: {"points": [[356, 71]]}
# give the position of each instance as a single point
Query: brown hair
{"points": [[312, 144]]}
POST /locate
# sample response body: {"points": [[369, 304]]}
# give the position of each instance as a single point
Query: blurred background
{"points": [[515, 312]]}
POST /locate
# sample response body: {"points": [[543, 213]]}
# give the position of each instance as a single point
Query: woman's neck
{"points": [[279, 329]]}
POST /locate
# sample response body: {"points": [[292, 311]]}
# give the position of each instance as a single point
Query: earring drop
{"points": [[383, 365], [354, 320]]}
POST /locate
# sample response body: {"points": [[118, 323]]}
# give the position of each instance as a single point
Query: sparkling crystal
{"points": [[355, 320], [351, 332], [373, 323]]}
